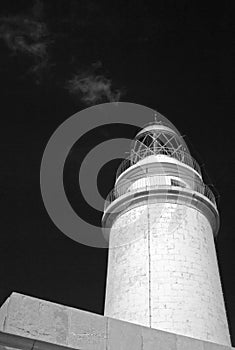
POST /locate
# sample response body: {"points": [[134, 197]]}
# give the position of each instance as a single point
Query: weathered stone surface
{"points": [[86, 330], [12, 341], [213, 346], [124, 335], [34, 318], [127, 296], [154, 339], [163, 272], [3, 314], [53, 323], [185, 343], [41, 321]]}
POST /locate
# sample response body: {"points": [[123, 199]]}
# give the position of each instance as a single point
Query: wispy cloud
{"points": [[24, 35], [27, 35], [93, 89]]}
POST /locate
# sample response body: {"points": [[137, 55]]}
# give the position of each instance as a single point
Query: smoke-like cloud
{"points": [[93, 89], [27, 35], [24, 35]]}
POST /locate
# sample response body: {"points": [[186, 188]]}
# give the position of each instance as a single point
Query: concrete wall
{"points": [[48, 322], [163, 272]]}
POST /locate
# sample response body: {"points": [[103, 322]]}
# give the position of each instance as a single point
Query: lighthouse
{"points": [[162, 220]]}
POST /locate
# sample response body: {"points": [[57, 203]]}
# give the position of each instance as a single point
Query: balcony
{"points": [[121, 190], [180, 156]]}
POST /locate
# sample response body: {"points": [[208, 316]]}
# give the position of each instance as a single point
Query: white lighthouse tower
{"points": [[162, 220]]}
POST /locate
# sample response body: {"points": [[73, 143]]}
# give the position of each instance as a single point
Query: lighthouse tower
{"points": [[162, 219]]}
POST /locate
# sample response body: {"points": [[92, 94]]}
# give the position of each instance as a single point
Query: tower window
{"points": [[177, 183]]}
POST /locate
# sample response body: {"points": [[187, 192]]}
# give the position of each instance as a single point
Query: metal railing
{"points": [[135, 157], [124, 189]]}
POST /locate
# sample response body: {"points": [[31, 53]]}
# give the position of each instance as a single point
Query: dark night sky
{"points": [[174, 57]]}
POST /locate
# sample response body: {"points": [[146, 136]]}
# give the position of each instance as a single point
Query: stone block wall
{"points": [[53, 323], [163, 272], [30, 323]]}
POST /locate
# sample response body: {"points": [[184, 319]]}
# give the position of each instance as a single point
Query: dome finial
{"points": [[157, 119]]}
